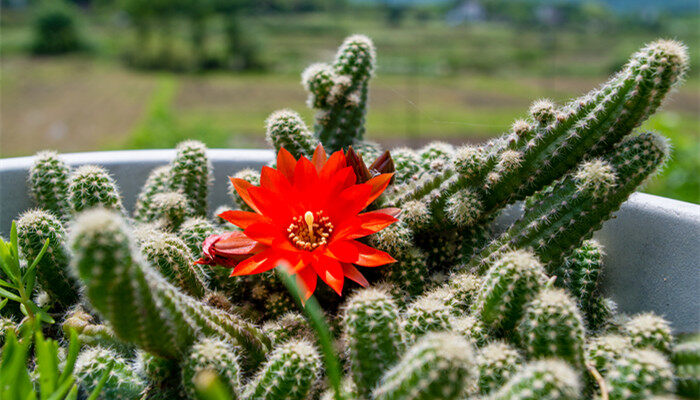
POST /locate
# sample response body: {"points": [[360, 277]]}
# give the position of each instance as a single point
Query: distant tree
{"points": [[56, 29]]}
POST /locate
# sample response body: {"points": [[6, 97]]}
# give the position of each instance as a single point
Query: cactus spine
{"points": [[286, 129], [425, 315], [193, 232], [157, 182], [373, 336], [439, 366], [92, 186], [168, 210], [49, 178], [122, 384], [34, 228], [544, 379], [190, 174], [141, 305], [215, 355], [497, 362], [638, 375], [604, 351], [289, 372], [650, 330]]}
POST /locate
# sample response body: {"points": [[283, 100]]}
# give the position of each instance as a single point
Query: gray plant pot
{"points": [[652, 245]]}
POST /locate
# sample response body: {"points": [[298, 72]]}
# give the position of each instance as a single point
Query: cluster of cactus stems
{"points": [[463, 314]]}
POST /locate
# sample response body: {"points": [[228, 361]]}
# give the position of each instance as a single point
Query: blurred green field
{"points": [[434, 82]]}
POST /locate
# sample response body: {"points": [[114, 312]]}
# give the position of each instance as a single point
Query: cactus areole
{"points": [[306, 215]]}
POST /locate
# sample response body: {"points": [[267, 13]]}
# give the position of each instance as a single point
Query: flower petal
{"points": [[379, 183], [348, 203], [319, 159], [371, 257], [242, 187], [257, 264], [264, 233], [242, 219], [363, 225], [335, 163], [271, 205], [343, 250], [306, 280], [330, 271], [393, 211], [353, 274], [286, 164]]}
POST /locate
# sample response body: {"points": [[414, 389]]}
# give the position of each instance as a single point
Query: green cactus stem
{"points": [[168, 210], [686, 361], [439, 366], [371, 326], [158, 372], [92, 186], [286, 129], [34, 228], [190, 174], [158, 181], [577, 205], [291, 325], [141, 305], [216, 355], [424, 315], [49, 178], [194, 231], [543, 379], [638, 375], [497, 362], [90, 333], [289, 373], [552, 326], [650, 330], [471, 329], [604, 351], [122, 384], [512, 281]]}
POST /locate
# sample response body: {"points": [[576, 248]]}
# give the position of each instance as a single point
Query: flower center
{"points": [[310, 230]]}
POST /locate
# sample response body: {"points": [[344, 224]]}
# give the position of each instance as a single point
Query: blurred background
{"points": [[79, 75]]}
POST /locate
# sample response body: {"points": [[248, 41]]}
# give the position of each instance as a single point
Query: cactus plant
{"points": [[686, 361], [650, 330], [440, 365], [49, 178], [193, 231], [425, 315], [497, 362], [215, 355], [92, 186], [123, 382], [168, 210], [190, 174], [603, 351], [158, 181], [639, 374], [141, 305], [539, 380], [286, 129]]}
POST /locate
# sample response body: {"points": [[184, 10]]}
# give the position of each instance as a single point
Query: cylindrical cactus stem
{"points": [[552, 326], [122, 383], [513, 280], [471, 329], [339, 92], [407, 164], [465, 287], [190, 174], [168, 210], [289, 373], [48, 183], [604, 351], [371, 326], [171, 257], [543, 379], [157, 371], [650, 330], [141, 305], [578, 204], [439, 366], [581, 270], [278, 304], [193, 232], [291, 325], [422, 316], [686, 361], [34, 228], [91, 333], [216, 355], [497, 362], [158, 181], [249, 175], [286, 129], [638, 375], [92, 186]]}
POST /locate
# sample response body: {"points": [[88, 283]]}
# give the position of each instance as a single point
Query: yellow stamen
{"points": [[309, 218]]}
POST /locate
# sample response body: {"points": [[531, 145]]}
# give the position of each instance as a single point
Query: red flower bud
{"points": [[228, 249]]}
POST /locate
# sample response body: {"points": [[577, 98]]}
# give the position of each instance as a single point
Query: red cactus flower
{"points": [[307, 216]]}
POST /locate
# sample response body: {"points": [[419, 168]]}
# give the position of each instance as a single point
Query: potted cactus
{"points": [[344, 271]]}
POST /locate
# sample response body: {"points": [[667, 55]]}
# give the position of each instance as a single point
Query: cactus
{"points": [[471, 329], [34, 228], [604, 351], [424, 315], [289, 372], [158, 372], [512, 281], [439, 366], [48, 183], [339, 93], [158, 181], [286, 129], [497, 362], [141, 305], [552, 326], [90, 333], [190, 174], [193, 231], [171, 257], [650, 330], [638, 375], [578, 204], [291, 325], [215, 355], [122, 383], [410, 272], [686, 361], [407, 165], [168, 210], [92, 186], [371, 326], [464, 287], [539, 380], [278, 304]]}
